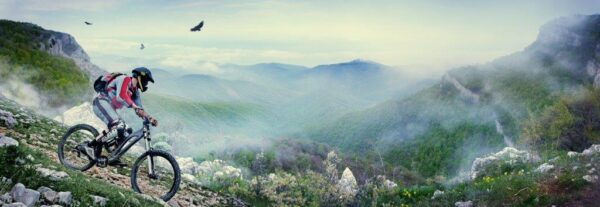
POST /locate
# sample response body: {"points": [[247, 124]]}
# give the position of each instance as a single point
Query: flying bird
{"points": [[197, 27], [88, 23], [142, 46]]}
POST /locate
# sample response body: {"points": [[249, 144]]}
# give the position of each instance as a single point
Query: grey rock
{"points": [[437, 194], [17, 204], [6, 198], [100, 201], [7, 181], [463, 204], [65, 198], [7, 141], [50, 206], [52, 174], [48, 194], [7, 119], [173, 203], [26, 196]]}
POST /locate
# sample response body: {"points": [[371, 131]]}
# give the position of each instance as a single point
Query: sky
{"points": [[425, 36]]}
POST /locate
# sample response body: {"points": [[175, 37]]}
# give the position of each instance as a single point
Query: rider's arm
{"points": [[137, 99]]}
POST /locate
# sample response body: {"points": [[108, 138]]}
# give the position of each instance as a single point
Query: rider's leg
{"points": [[103, 110]]}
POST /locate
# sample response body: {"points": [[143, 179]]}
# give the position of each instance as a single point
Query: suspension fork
{"points": [[150, 159]]}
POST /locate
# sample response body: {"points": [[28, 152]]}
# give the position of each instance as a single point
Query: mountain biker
{"points": [[119, 91]]}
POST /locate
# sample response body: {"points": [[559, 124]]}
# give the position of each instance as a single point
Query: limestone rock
{"points": [[437, 194], [99, 201], [347, 184], [26, 196], [508, 156], [7, 119], [17, 204], [7, 141], [48, 194], [6, 198], [65, 198], [463, 204], [543, 168], [80, 114], [52, 174]]}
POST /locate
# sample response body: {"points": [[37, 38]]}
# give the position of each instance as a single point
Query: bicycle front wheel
{"points": [[156, 173]]}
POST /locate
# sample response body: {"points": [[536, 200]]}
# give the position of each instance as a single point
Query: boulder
{"points": [[80, 114], [26, 196], [65, 198], [7, 141], [7, 119], [347, 184], [48, 194]]}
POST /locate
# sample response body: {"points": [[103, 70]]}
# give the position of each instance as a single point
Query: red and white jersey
{"points": [[122, 92]]}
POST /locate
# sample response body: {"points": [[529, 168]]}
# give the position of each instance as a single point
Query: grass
{"points": [[80, 185]]}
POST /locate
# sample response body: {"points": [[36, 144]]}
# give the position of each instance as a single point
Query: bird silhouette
{"points": [[197, 27], [88, 23], [142, 46]]}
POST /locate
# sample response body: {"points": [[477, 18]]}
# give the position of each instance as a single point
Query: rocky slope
{"points": [[34, 160]]}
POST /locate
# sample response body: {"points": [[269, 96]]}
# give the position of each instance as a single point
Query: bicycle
{"points": [[154, 171]]}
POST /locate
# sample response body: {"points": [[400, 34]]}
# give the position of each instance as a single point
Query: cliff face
{"points": [[575, 42], [65, 45]]}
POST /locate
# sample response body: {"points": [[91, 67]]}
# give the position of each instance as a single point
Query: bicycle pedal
{"points": [[102, 161]]}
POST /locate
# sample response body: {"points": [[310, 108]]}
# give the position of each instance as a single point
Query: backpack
{"points": [[102, 82]]}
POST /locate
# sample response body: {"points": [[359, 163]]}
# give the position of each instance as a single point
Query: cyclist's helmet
{"points": [[143, 75]]}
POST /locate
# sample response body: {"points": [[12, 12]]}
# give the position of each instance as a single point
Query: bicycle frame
{"points": [[143, 133]]}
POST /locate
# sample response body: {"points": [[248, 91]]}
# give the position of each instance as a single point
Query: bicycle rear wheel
{"points": [[165, 179], [68, 154]]}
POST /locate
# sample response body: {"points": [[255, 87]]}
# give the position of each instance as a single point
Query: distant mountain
{"points": [[295, 95], [478, 109]]}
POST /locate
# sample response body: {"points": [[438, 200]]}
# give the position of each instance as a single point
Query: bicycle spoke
{"points": [[160, 182]]}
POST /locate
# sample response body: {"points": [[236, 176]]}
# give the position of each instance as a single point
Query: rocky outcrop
{"points": [[347, 184], [572, 41], [507, 156], [64, 45], [466, 94]]}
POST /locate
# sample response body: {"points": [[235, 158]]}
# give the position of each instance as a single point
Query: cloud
{"points": [[61, 5]]}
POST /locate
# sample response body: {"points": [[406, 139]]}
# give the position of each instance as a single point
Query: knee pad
{"points": [[120, 126]]}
